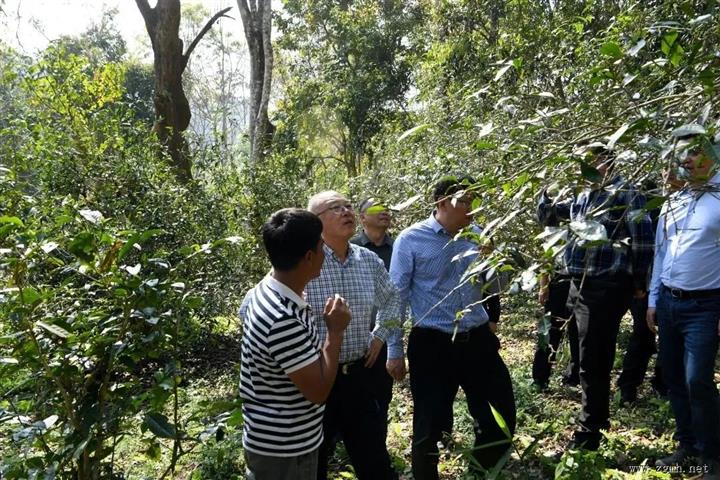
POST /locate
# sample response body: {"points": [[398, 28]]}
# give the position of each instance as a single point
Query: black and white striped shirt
{"points": [[279, 337]]}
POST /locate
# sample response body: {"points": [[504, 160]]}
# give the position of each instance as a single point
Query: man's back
{"points": [[279, 338]]}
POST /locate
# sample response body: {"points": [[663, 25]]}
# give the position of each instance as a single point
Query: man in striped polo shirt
{"points": [[285, 375]]}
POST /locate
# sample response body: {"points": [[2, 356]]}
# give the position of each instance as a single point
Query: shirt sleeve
{"points": [[242, 311], [401, 272], [660, 248], [290, 344], [642, 239], [388, 325], [549, 214]]}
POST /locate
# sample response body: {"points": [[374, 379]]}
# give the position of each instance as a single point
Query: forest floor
{"points": [[638, 435]]}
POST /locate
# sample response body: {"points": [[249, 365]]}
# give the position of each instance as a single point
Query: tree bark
{"points": [[172, 109], [257, 25]]}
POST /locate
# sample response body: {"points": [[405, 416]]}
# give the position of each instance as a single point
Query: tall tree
{"points": [[350, 59], [257, 23], [172, 109]]}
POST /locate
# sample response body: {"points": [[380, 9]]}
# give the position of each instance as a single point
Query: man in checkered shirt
{"points": [[353, 409]]}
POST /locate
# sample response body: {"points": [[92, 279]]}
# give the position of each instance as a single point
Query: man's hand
{"points": [[652, 323], [336, 314], [493, 327], [396, 368], [639, 293], [373, 352]]}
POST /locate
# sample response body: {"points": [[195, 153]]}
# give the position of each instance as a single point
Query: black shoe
{"points": [[679, 457], [540, 386], [659, 388], [583, 440], [571, 380], [711, 468], [628, 397]]}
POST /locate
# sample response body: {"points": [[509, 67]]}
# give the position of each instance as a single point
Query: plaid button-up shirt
{"points": [[620, 210], [364, 283]]}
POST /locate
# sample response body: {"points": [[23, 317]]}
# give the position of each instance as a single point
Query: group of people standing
{"points": [[323, 331]]}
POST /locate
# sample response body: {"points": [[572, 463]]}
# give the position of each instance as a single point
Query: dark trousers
{"points": [[598, 308], [263, 467], [688, 346], [355, 413], [560, 320], [639, 350], [438, 366], [384, 387]]}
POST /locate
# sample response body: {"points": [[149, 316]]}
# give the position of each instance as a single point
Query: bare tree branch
{"points": [[202, 33]]}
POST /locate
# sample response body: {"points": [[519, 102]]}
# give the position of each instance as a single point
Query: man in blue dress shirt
{"points": [[685, 301], [451, 344]]}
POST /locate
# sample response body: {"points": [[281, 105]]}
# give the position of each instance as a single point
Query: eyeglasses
{"points": [[338, 209]]}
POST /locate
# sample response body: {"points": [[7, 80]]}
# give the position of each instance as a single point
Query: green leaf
{"points": [[54, 329], [500, 421], [160, 425], [590, 172], [235, 418], [667, 42], [81, 447], [12, 220], [139, 239], [589, 230], [413, 131], [611, 49], [637, 47], [654, 203], [30, 296], [193, 301], [83, 246]]}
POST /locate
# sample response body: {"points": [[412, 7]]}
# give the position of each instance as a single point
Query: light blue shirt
{"points": [[687, 241], [429, 269]]}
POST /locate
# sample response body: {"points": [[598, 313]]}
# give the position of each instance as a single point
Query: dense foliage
{"points": [[115, 278]]}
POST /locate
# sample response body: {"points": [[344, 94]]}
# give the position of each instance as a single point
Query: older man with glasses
{"points": [[353, 409]]}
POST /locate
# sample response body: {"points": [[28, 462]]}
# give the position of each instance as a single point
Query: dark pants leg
{"points": [[639, 350], [688, 347], [263, 467], [384, 385], [437, 368], [598, 308], [354, 411], [560, 321]]}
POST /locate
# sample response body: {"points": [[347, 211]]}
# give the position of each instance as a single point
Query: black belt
{"points": [[686, 294], [459, 337], [345, 368]]}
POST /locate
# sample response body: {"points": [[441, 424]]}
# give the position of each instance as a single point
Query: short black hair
{"points": [[451, 184], [288, 235]]}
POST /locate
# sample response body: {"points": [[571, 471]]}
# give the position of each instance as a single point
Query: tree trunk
{"points": [[257, 24], [172, 110]]}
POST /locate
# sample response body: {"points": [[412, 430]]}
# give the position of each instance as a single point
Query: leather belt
{"points": [[687, 294]]}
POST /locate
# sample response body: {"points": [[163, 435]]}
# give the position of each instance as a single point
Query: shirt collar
{"points": [[715, 180], [330, 253], [284, 290], [365, 240], [435, 225]]}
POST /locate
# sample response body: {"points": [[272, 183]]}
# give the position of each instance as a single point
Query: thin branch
{"points": [[202, 33]]}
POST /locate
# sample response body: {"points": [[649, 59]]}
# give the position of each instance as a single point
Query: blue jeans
{"points": [[688, 347]]}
